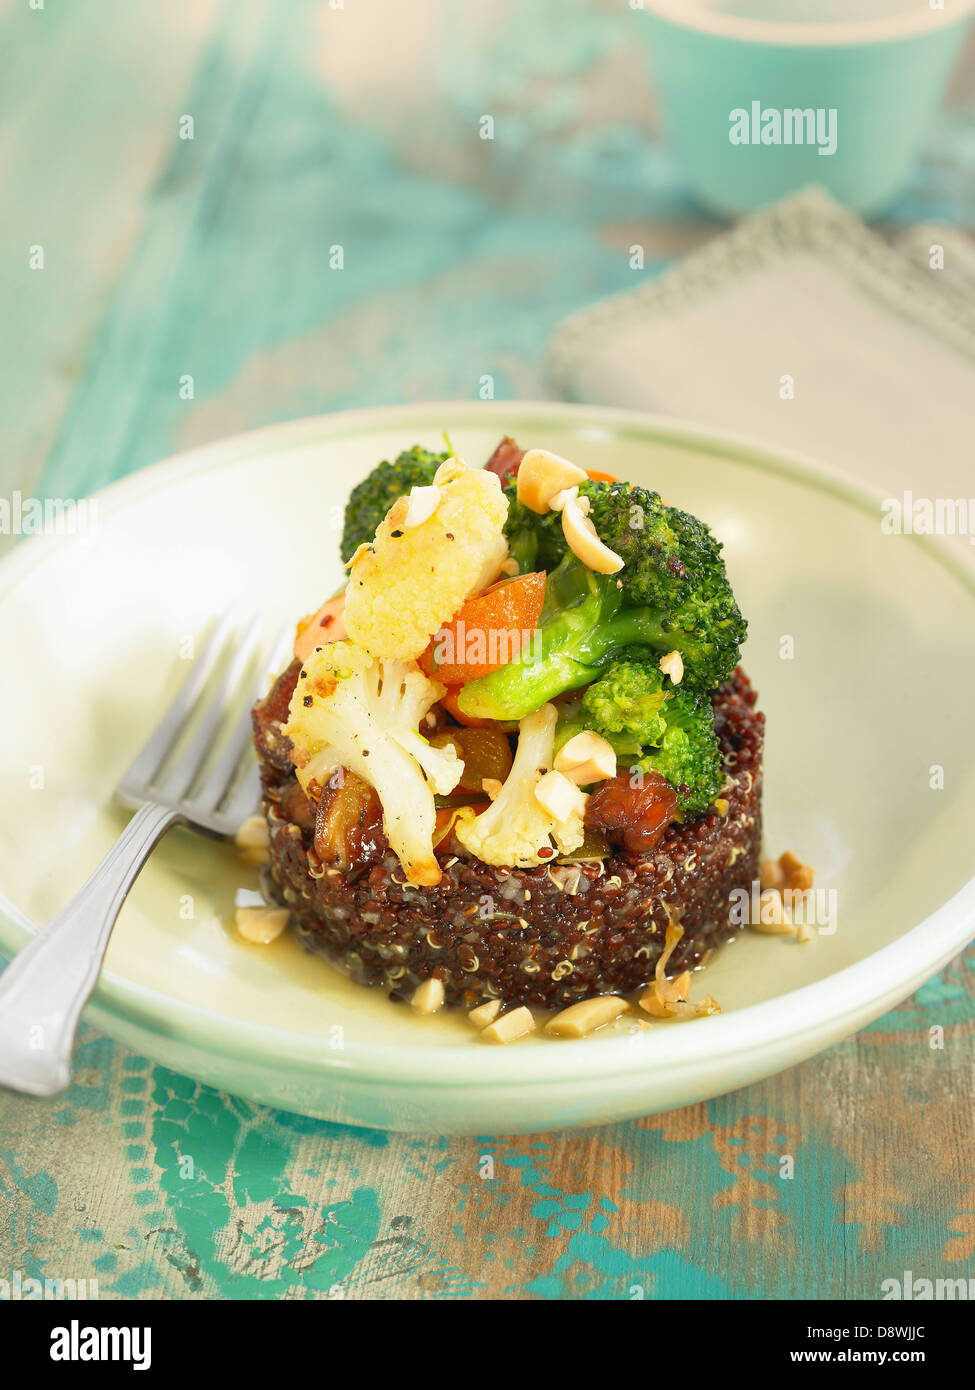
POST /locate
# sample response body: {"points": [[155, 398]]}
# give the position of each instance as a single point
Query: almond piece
{"points": [[428, 998], [485, 1013], [256, 858], [510, 1027], [542, 475], [771, 874], [672, 665], [583, 1018], [796, 873], [772, 920], [559, 796], [253, 834], [261, 925], [583, 540], [421, 505], [569, 494], [586, 758]]}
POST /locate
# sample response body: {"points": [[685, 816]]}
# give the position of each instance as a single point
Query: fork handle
{"points": [[46, 986]]}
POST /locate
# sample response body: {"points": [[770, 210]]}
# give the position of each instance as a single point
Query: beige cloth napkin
{"points": [[880, 346]]}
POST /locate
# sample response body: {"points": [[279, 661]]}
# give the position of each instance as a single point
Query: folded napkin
{"points": [[877, 338]]}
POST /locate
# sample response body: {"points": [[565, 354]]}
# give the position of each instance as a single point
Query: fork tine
{"points": [[149, 759], [175, 786], [219, 778]]}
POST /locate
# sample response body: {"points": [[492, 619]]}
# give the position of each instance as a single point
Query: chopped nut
{"points": [[491, 786], [510, 1027], [542, 475], [797, 874], [772, 920], [558, 796], [256, 858], [672, 665], [261, 925], [805, 932], [428, 998], [485, 1013], [583, 540], [253, 834], [787, 874], [583, 1018], [421, 505], [569, 494], [771, 874], [586, 758]]}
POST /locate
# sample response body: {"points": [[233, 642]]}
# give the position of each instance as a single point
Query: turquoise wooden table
{"points": [[221, 215]]}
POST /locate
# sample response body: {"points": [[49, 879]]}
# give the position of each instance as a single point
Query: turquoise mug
{"points": [[757, 105]]}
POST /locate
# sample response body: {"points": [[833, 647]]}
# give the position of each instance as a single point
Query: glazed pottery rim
{"points": [[778, 33], [857, 992]]}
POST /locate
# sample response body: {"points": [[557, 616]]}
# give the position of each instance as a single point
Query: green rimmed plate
{"points": [[875, 694]]}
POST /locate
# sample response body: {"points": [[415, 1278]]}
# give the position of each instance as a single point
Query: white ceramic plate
{"points": [[878, 691]]}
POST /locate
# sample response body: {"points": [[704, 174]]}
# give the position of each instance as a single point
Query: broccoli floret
{"points": [[672, 594], [584, 625], [673, 565], [689, 756], [655, 726], [628, 704], [666, 552], [371, 499]]}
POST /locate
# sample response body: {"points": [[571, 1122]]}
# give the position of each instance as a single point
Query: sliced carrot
{"points": [[487, 632], [598, 477], [327, 625]]}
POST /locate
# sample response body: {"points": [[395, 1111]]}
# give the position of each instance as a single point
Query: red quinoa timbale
{"points": [[546, 936]]}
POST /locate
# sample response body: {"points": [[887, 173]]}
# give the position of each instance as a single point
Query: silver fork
{"points": [[46, 986]]}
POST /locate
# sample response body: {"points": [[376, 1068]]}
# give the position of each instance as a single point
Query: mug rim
{"points": [[837, 33]]}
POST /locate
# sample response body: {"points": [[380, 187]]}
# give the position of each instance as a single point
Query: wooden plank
{"points": [[821, 1182]]}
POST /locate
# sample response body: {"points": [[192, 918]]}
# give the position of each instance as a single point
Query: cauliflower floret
{"points": [[413, 577], [351, 710], [517, 829]]}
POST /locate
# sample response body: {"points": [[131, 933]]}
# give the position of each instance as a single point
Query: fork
{"points": [[46, 986]]}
